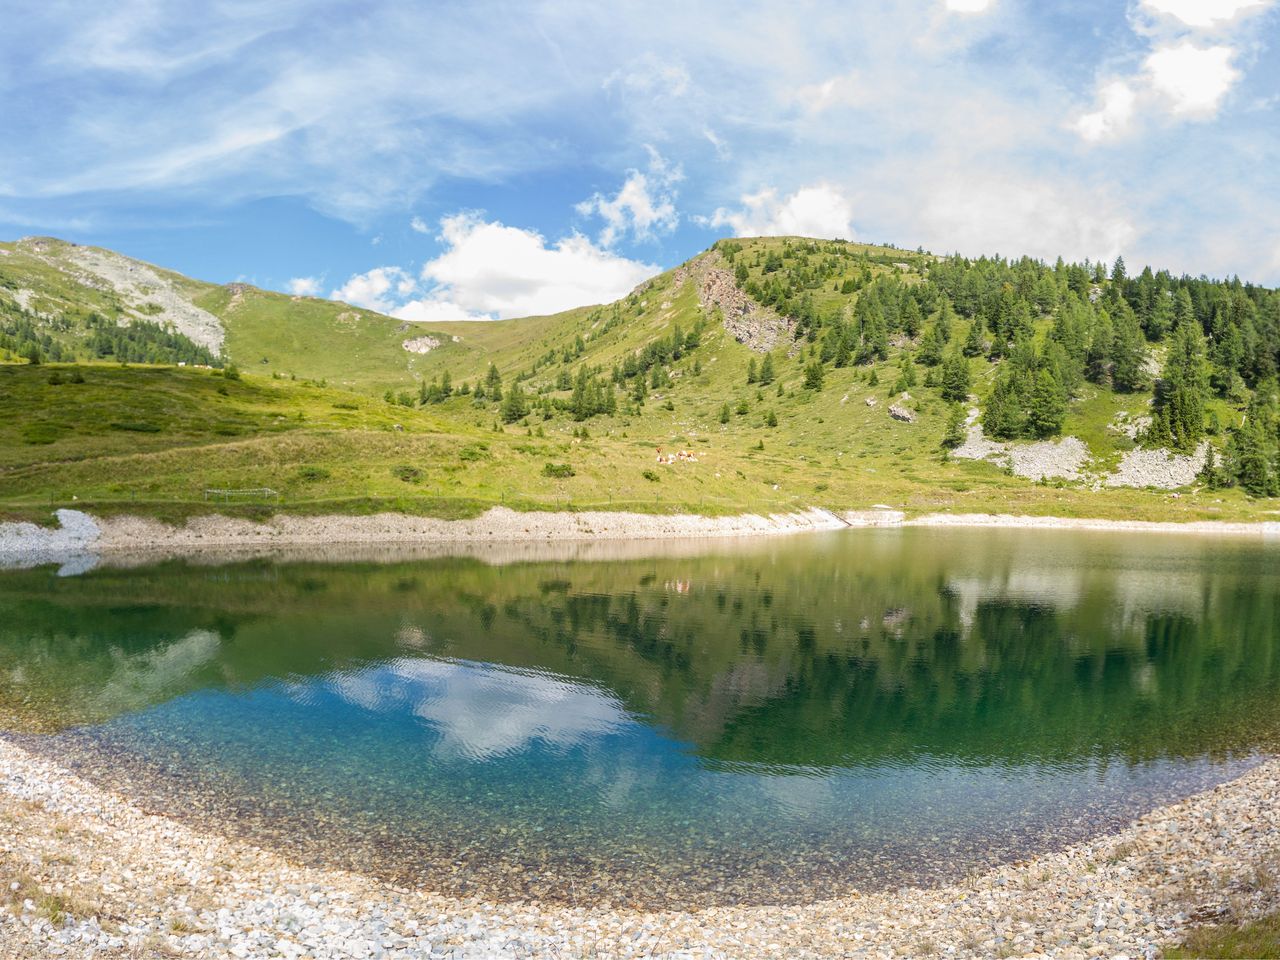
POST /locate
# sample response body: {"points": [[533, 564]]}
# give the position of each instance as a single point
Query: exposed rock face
{"points": [[899, 412], [750, 323], [146, 292], [421, 344]]}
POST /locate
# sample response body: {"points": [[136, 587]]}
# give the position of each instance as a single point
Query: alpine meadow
{"points": [[641, 481]]}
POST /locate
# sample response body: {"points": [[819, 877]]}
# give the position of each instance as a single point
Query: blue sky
{"points": [[448, 160]]}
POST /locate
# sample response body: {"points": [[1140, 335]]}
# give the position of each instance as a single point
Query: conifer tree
{"points": [[514, 406], [955, 378], [766, 370], [953, 435], [1048, 406]]}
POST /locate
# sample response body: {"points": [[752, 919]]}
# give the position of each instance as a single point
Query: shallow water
{"points": [[777, 720]]}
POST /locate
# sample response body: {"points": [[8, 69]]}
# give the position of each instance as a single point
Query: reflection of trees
{"points": [[854, 650]]}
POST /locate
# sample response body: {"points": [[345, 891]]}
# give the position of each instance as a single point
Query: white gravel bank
{"points": [[88, 875]]}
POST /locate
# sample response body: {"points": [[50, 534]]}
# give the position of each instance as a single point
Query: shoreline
{"points": [[86, 872], [81, 535]]}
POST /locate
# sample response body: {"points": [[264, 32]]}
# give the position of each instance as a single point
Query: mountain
{"points": [[73, 295], [790, 371]]}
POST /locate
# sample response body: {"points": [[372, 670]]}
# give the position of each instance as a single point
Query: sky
{"points": [[441, 160]]}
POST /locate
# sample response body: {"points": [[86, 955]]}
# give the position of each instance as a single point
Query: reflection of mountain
{"points": [[860, 648]]}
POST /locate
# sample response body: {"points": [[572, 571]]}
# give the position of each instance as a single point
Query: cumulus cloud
{"points": [[1115, 111], [1204, 13], [304, 286], [490, 271], [821, 210], [1034, 217], [643, 207], [418, 225], [377, 289], [1193, 79]]}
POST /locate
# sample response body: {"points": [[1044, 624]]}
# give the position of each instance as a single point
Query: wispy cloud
{"points": [[891, 117]]}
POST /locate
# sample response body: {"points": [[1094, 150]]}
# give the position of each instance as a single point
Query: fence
{"points": [[226, 495]]}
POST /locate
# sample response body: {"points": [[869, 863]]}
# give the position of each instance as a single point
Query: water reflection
{"points": [[760, 721]]}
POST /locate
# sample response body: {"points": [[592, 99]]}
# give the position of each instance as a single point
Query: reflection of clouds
{"points": [[141, 679], [483, 711]]}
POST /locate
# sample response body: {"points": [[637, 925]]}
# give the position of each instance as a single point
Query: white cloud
{"points": [[969, 6], [418, 225], [377, 289], [1193, 79], [644, 206], [1024, 216], [1113, 114], [492, 271], [1204, 13], [304, 286], [650, 76], [821, 210], [846, 90]]}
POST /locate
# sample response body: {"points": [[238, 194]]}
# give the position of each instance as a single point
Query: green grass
{"points": [[1259, 940], [151, 439]]}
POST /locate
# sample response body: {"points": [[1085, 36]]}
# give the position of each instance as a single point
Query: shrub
{"points": [[651, 476], [56, 379], [558, 471], [135, 426], [473, 452], [407, 473], [308, 474]]}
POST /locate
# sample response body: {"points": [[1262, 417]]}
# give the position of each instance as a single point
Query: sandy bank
{"points": [[88, 874]]}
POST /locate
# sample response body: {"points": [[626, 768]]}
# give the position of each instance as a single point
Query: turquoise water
{"points": [[773, 721]]}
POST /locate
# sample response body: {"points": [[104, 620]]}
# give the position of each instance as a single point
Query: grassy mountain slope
{"points": [[62, 289], [150, 439]]}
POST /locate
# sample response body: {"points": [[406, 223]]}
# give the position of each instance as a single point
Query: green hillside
{"points": [[795, 372]]}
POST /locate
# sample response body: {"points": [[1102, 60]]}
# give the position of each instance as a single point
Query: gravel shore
{"points": [[80, 537], [87, 874]]}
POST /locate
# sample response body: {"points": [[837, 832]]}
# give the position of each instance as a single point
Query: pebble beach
{"points": [[88, 874]]}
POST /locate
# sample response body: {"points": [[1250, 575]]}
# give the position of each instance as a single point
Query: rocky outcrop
{"points": [[899, 412], [749, 322], [421, 344]]}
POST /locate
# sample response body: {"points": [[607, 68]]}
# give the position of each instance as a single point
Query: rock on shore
{"points": [[89, 875]]}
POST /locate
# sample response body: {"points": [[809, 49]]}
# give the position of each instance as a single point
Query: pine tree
{"points": [[813, 375], [751, 370], [1128, 353], [766, 370], [1180, 394], [493, 383], [514, 407], [974, 346], [1003, 416], [931, 347], [1048, 406], [953, 436], [725, 413], [955, 378]]}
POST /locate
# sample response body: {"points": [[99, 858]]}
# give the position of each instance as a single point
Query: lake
{"points": [[766, 721]]}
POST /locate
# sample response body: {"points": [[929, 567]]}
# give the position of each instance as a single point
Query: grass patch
{"points": [[1259, 940]]}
